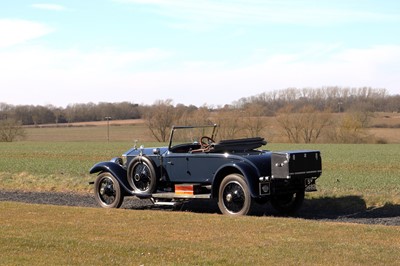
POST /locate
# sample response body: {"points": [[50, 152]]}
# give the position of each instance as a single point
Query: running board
{"points": [[165, 203], [165, 199], [172, 195]]}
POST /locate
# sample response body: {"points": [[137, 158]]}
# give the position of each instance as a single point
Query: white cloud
{"points": [[33, 75], [372, 67], [52, 7], [15, 31]]}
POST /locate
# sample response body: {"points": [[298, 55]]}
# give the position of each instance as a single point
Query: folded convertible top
{"points": [[238, 144]]}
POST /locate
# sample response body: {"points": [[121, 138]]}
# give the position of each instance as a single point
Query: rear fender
{"points": [[249, 173], [117, 170]]}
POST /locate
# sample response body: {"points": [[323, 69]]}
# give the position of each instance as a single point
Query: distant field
{"points": [[391, 135], [97, 132], [129, 130]]}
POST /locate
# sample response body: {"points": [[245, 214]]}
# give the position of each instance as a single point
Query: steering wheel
{"points": [[206, 142]]}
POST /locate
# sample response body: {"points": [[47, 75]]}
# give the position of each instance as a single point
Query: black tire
{"points": [[142, 175], [288, 204], [234, 196], [107, 191]]}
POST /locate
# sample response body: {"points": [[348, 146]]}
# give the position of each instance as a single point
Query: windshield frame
{"points": [[204, 127]]}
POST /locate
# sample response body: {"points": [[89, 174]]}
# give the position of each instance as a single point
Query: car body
{"points": [[234, 172]]}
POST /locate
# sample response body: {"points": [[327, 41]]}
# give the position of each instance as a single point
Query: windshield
{"points": [[189, 134]]}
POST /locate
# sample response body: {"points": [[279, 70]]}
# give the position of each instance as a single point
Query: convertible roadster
{"points": [[236, 173]]}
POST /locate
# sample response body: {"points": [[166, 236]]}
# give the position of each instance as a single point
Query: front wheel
{"points": [[288, 204], [107, 191], [234, 196]]}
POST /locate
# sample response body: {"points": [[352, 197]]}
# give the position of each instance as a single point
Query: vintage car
{"points": [[235, 172]]}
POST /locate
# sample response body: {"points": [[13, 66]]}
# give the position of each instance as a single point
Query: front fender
{"points": [[117, 170]]}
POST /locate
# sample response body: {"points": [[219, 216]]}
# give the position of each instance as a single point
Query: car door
{"points": [[176, 166], [203, 166], [193, 167]]}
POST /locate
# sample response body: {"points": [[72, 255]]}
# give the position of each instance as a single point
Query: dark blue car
{"points": [[236, 173]]}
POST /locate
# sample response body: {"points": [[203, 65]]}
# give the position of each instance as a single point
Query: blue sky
{"points": [[194, 51]]}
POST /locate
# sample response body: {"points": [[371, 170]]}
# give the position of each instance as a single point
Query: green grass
{"points": [[43, 235], [49, 165], [369, 171], [358, 175], [53, 166]]}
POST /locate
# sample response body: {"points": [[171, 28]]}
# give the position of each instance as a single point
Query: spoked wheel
{"points": [[234, 196], [108, 191], [288, 204], [142, 176]]}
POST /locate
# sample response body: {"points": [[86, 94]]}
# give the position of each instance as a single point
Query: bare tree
{"points": [[351, 128], [305, 125], [290, 123], [160, 118], [10, 130], [229, 121], [314, 123], [254, 122], [194, 116]]}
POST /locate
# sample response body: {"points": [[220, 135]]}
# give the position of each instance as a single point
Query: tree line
{"points": [[49, 114], [335, 99], [306, 125], [303, 114]]}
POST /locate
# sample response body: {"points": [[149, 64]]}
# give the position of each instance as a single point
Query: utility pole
{"points": [[340, 106], [108, 118]]}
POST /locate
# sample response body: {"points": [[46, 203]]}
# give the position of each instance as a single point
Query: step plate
{"points": [[172, 195]]}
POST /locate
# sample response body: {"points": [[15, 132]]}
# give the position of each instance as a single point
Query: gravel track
{"points": [[386, 215]]}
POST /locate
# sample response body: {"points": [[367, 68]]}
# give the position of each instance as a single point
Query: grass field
{"points": [[90, 133], [43, 235], [59, 159], [370, 171]]}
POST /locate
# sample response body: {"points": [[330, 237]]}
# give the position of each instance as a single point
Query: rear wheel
{"points": [[234, 196], [107, 191], [288, 204]]}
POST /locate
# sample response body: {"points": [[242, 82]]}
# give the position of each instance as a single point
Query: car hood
{"points": [[145, 151]]}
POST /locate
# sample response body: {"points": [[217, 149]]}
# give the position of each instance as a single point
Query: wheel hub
{"points": [[137, 177], [107, 190], [228, 197]]}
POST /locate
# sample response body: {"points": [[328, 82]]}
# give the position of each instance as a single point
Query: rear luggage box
{"points": [[296, 164]]}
